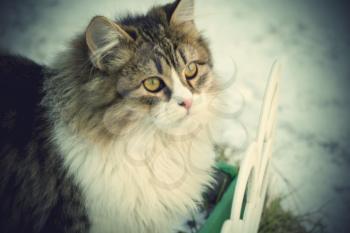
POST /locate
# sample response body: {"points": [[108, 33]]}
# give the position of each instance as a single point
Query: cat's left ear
{"points": [[183, 12], [182, 15]]}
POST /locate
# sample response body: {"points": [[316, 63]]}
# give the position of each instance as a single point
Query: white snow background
{"points": [[311, 155]]}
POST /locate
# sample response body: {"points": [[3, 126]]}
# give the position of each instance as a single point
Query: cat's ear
{"points": [[183, 13], [102, 35]]}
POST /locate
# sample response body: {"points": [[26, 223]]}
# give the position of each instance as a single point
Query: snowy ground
{"points": [[311, 37]]}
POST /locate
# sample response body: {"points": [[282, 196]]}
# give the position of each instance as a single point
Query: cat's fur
{"points": [[36, 193], [86, 148]]}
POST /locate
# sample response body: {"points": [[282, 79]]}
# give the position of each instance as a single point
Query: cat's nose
{"points": [[186, 103]]}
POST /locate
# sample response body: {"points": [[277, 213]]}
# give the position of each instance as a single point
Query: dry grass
{"points": [[277, 220]]}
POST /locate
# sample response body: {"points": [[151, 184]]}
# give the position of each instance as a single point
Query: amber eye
{"points": [[153, 84], [191, 70]]}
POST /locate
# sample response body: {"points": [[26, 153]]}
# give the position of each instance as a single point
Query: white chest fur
{"points": [[142, 184]]}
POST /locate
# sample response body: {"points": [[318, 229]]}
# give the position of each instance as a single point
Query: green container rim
{"points": [[222, 210]]}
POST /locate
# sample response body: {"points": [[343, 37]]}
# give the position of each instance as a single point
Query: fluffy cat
{"points": [[113, 136]]}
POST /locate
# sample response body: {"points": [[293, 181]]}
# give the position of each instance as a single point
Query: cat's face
{"points": [[167, 89], [154, 69], [164, 84]]}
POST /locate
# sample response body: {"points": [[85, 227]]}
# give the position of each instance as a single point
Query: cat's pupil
{"points": [[153, 84], [191, 70]]}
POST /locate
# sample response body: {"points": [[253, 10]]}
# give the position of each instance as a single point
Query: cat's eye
{"points": [[153, 84], [191, 71]]}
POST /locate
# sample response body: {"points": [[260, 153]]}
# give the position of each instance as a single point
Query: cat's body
{"points": [[135, 191], [113, 138], [35, 192]]}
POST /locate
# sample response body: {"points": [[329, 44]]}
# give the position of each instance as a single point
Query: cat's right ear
{"points": [[101, 36]]}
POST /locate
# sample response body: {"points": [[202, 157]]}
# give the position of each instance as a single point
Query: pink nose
{"points": [[187, 103]]}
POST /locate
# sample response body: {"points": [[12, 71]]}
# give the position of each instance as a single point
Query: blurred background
{"points": [[311, 157]]}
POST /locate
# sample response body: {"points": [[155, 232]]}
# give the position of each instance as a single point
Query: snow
{"points": [[310, 37]]}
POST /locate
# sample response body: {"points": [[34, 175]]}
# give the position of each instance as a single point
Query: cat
{"points": [[113, 136]]}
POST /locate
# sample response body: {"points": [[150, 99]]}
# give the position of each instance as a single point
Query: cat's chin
{"points": [[183, 126], [170, 125]]}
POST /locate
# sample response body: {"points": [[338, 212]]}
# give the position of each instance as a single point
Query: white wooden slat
{"points": [[254, 169]]}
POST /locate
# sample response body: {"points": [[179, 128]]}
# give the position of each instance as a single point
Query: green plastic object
{"points": [[222, 210]]}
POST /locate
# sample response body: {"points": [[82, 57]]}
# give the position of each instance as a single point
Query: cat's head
{"points": [[154, 69]]}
